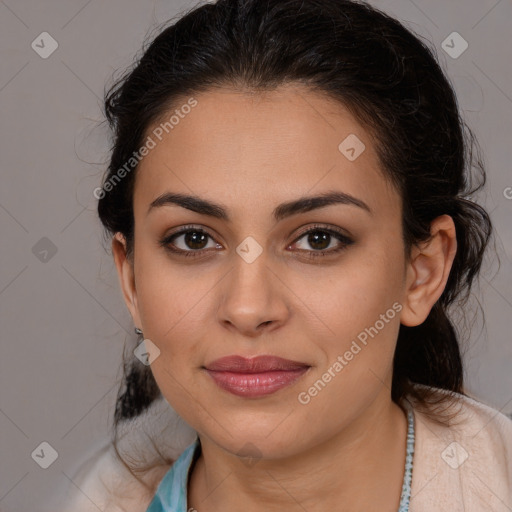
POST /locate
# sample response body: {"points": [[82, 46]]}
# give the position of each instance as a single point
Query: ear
{"points": [[428, 270], [126, 276]]}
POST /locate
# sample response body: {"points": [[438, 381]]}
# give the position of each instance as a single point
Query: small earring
{"points": [[138, 331]]}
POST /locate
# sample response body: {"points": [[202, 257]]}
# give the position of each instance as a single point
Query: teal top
{"points": [[171, 494]]}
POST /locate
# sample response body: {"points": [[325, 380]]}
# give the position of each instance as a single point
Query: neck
{"points": [[360, 467]]}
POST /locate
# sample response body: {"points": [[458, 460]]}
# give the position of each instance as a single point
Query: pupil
{"points": [[194, 239], [314, 239]]}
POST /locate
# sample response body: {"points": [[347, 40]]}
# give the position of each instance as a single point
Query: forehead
{"points": [[241, 146]]}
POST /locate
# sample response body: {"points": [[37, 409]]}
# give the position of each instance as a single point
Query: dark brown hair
{"points": [[392, 83]]}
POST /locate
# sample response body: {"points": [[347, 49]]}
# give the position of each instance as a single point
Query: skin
{"points": [[251, 152]]}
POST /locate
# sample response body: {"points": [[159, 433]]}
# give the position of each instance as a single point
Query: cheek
{"points": [[171, 298], [363, 316], [352, 296], [172, 311]]}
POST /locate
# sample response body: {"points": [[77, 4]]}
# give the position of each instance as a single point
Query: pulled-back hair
{"points": [[390, 81]]}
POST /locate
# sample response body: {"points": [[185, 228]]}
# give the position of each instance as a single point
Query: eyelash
{"points": [[342, 238]]}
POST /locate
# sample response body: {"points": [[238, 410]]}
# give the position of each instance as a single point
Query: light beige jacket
{"points": [[466, 467]]}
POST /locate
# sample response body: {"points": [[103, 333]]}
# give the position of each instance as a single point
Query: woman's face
{"points": [[257, 283]]}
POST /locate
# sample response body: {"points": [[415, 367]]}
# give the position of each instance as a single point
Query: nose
{"points": [[253, 300]]}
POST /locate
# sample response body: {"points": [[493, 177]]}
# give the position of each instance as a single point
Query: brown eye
{"points": [[195, 239], [320, 241], [189, 242]]}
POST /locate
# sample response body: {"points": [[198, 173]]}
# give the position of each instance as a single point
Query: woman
{"points": [[288, 200]]}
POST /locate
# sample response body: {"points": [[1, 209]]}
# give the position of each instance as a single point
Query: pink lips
{"points": [[258, 376]]}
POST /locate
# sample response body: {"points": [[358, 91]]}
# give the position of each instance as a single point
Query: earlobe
{"points": [[126, 276], [428, 271]]}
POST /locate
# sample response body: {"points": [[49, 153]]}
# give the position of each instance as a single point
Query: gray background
{"points": [[63, 321]]}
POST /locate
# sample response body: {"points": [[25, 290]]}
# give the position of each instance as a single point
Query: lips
{"points": [[239, 364], [255, 377]]}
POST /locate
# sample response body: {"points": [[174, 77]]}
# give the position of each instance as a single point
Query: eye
{"points": [[189, 241], [321, 240]]}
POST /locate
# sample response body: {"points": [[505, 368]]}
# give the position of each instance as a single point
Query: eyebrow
{"points": [[284, 210]]}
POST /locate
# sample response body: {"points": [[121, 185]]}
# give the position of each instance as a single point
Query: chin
{"points": [[259, 442]]}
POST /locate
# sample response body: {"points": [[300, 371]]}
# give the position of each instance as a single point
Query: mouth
{"points": [[255, 377]]}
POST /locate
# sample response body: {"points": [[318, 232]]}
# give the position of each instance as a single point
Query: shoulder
{"points": [[103, 482], [466, 463]]}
